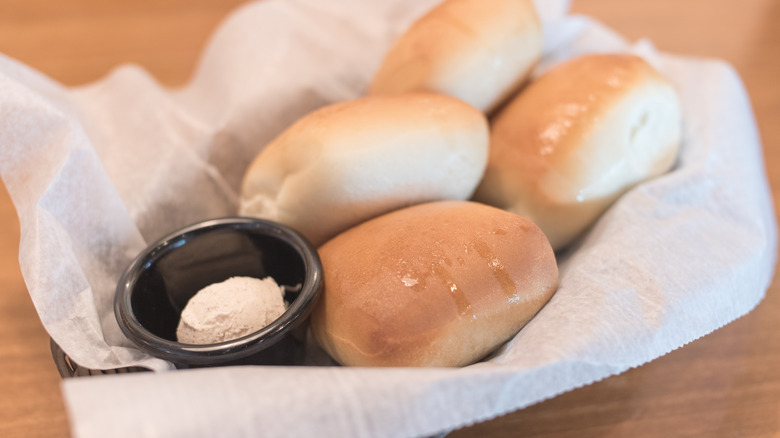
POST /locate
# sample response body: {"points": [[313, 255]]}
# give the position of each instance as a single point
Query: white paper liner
{"points": [[98, 172]]}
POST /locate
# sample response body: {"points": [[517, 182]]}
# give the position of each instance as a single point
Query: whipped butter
{"points": [[229, 310]]}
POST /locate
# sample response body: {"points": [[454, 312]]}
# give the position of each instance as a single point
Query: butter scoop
{"points": [[230, 310]]}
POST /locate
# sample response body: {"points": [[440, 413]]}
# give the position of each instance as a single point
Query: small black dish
{"points": [[156, 286]]}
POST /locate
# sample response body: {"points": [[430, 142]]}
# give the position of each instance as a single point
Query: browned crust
{"points": [[456, 32], [439, 284], [547, 122], [374, 116]]}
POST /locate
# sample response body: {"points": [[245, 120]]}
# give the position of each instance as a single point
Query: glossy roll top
{"points": [[579, 137], [437, 284], [351, 161], [479, 51]]}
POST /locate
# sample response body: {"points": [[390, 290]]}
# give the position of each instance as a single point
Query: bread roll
{"points": [[351, 161], [437, 284], [579, 137], [476, 50]]}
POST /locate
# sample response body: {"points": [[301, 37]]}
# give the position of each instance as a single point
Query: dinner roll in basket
{"points": [[436, 284], [579, 137], [479, 51], [351, 161]]}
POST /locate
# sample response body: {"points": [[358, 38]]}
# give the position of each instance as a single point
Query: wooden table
{"points": [[726, 384]]}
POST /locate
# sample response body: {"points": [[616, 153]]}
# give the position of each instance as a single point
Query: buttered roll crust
{"points": [[351, 161], [579, 137], [479, 51], [437, 284]]}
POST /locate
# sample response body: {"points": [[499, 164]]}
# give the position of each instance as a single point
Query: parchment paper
{"points": [[98, 172]]}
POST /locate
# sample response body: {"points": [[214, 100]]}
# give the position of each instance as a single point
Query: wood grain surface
{"points": [[726, 384]]}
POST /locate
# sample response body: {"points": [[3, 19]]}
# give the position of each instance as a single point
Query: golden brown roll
{"points": [[479, 51], [351, 161], [437, 284], [577, 138]]}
